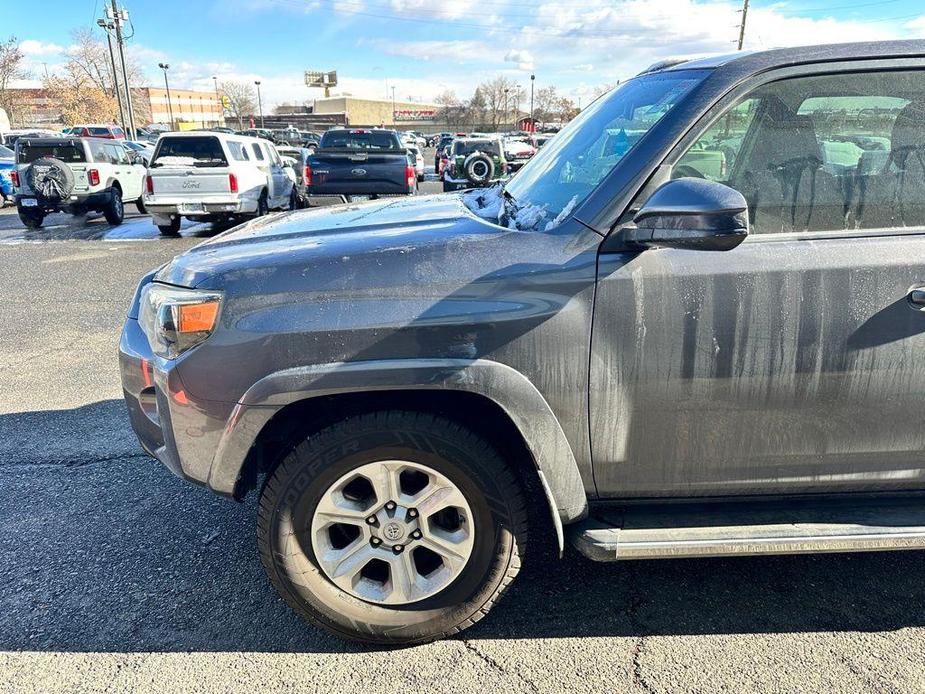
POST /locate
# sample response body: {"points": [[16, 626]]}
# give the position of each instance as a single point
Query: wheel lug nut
{"points": [[371, 520], [375, 541], [412, 513], [398, 549], [390, 506], [416, 534]]}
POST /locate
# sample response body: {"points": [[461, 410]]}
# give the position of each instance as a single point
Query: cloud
{"points": [[31, 47], [454, 51], [523, 59]]}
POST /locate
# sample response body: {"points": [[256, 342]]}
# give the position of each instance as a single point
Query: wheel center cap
{"points": [[393, 531]]}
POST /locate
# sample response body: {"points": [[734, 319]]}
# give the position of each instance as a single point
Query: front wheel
{"points": [[263, 205], [392, 527]]}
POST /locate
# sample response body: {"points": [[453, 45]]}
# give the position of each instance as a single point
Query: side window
{"points": [[822, 153], [117, 154], [258, 152], [100, 152], [238, 151], [714, 154], [274, 156]]}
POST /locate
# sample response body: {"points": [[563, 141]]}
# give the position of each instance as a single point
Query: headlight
{"points": [[174, 319]]}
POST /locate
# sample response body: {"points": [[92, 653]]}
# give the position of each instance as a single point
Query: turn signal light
{"points": [[307, 175], [94, 177], [197, 318], [232, 183], [14, 175], [410, 175]]}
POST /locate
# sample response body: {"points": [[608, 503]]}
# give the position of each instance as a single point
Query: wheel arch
{"points": [[492, 398]]}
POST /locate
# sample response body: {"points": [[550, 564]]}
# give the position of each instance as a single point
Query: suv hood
{"points": [[265, 246]]}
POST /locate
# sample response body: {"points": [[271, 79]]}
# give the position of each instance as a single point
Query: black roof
{"points": [[746, 62]]}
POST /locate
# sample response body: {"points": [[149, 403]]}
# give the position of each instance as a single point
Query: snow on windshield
{"points": [[491, 204]]}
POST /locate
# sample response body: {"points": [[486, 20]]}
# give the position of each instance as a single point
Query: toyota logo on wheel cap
{"points": [[393, 531]]}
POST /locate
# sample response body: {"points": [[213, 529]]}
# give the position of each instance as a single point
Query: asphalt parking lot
{"points": [[119, 577]]}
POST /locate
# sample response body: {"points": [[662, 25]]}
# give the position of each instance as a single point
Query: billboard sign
{"points": [[413, 114], [316, 78]]}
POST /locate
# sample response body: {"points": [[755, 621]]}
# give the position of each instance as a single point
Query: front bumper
{"points": [[198, 440]]}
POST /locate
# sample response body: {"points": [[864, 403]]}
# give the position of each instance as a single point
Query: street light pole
{"points": [[218, 99], [532, 122], [393, 106], [106, 26], [259, 102], [165, 67], [504, 112]]}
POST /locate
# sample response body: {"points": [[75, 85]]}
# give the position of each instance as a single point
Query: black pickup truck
{"points": [[360, 162]]}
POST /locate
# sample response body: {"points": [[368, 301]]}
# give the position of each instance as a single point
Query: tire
{"points": [[496, 512], [140, 206], [50, 179], [421, 178], [293, 200], [32, 220], [115, 209], [172, 229], [263, 205], [479, 169]]}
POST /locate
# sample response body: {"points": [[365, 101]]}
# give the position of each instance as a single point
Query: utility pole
{"points": [[165, 67], [107, 26], [742, 25], [393, 106], [117, 19], [259, 102], [532, 123]]}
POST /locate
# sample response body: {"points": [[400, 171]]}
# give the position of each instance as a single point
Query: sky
{"points": [[424, 47]]}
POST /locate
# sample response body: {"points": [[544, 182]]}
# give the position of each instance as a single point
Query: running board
{"points": [[670, 531]]}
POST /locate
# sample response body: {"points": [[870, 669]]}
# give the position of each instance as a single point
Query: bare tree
{"points": [[551, 107], [79, 97], [242, 99], [89, 63], [11, 69], [501, 96], [452, 110]]}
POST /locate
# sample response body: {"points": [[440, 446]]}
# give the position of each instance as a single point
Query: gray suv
{"points": [[692, 325]]}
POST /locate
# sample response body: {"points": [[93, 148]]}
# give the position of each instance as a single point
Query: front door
{"points": [[793, 363]]}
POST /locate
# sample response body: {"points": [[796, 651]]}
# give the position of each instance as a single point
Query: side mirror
{"points": [[690, 213]]}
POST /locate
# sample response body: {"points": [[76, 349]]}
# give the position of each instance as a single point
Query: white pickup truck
{"points": [[213, 176]]}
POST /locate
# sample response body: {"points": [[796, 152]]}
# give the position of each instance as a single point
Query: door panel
{"points": [[779, 367]]}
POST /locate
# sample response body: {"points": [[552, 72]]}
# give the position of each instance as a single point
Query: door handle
{"points": [[916, 297]]}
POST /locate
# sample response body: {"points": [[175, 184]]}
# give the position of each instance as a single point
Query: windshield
{"points": [[565, 171], [189, 151]]}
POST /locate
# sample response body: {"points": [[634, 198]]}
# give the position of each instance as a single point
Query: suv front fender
{"points": [[505, 386]]}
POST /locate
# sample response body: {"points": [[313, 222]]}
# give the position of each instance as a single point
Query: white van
{"points": [[212, 176]]}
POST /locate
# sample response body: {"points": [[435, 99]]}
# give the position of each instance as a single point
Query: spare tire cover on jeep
{"points": [[50, 178], [479, 168]]}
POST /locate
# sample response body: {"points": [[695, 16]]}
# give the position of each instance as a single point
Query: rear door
{"points": [[792, 363]]}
